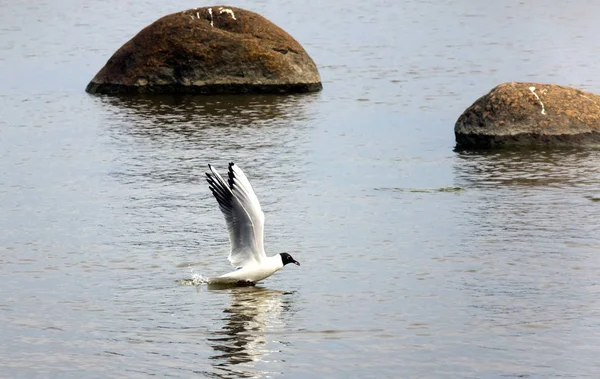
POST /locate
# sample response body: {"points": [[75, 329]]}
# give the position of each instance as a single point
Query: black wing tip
{"points": [[231, 175], [221, 193], [231, 164]]}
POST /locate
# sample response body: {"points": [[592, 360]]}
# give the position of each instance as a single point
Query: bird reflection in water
{"points": [[255, 314]]}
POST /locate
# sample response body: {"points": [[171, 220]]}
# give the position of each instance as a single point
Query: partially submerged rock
{"points": [[209, 50], [530, 114]]}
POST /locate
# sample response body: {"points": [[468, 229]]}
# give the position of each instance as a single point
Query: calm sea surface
{"points": [[417, 261]]}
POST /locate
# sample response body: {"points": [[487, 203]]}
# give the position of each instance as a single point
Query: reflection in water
{"points": [[187, 132], [519, 196], [186, 113], [556, 168], [255, 314]]}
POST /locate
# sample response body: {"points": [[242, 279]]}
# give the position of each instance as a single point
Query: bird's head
{"points": [[286, 258]]}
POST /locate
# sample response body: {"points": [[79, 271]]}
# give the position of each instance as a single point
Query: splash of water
{"points": [[196, 280]]}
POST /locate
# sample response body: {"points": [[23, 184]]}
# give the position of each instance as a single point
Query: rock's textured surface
{"points": [[530, 114], [217, 49]]}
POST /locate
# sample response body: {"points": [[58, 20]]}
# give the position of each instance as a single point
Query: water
{"points": [[417, 261]]}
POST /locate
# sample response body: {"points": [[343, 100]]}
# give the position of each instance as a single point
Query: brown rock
{"points": [[530, 114], [218, 49]]}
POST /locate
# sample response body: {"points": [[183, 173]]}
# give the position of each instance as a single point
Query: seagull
{"points": [[245, 222]]}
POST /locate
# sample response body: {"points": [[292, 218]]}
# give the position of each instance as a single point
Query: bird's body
{"points": [[245, 222], [251, 273]]}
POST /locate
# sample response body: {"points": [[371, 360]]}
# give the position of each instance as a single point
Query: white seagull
{"points": [[245, 221]]}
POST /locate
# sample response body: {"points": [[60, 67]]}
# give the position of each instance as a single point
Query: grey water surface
{"points": [[417, 261]]}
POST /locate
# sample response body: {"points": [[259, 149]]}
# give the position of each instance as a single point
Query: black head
{"points": [[286, 258]]}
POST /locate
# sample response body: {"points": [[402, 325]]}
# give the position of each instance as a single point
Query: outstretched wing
{"points": [[243, 215]]}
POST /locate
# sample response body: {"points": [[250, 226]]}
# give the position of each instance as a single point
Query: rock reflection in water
{"points": [[518, 196], [536, 168], [255, 315], [172, 111]]}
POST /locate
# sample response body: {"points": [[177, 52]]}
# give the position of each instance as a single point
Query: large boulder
{"points": [[218, 49], [530, 114]]}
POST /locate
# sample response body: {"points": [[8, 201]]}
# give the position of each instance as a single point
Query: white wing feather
{"points": [[243, 215]]}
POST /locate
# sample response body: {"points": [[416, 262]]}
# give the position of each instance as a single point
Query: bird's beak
{"points": [[297, 263]]}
